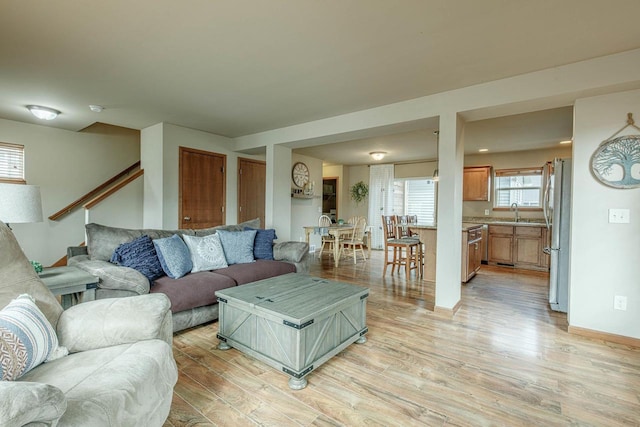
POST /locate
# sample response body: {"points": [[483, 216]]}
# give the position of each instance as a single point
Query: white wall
{"points": [[167, 141], [66, 165], [305, 212], [604, 257]]}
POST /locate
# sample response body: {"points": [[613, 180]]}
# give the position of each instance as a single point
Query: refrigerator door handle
{"points": [[545, 202]]}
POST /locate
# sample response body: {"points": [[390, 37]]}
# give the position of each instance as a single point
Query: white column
{"points": [[449, 250], [278, 192], [151, 160]]}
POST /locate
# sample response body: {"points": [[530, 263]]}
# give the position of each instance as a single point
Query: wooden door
{"points": [[201, 189], [252, 182]]}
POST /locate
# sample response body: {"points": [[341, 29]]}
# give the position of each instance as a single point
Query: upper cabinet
{"points": [[476, 184]]}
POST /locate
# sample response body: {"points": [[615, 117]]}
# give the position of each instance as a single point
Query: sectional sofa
{"points": [[192, 296]]}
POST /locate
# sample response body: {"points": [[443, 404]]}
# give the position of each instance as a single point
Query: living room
{"points": [[600, 87]]}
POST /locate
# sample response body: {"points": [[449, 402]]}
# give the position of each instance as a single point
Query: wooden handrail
{"points": [[91, 194], [91, 203]]}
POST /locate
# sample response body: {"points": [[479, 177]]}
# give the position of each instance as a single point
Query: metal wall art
{"points": [[616, 162]]}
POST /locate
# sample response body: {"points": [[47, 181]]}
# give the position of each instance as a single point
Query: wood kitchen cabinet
{"points": [[518, 246], [476, 183], [471, 252], [500, 244]]}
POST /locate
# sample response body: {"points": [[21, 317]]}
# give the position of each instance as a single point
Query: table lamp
{"points": [[20, 203]]}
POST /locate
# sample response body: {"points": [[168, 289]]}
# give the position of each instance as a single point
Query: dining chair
{"points": [[325, 221], [406, 251], [351, 246]]}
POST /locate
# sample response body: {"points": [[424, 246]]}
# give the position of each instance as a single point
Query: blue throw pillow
{"points": [[174, 256], [263, 245], [237, 246], [139, 254]]}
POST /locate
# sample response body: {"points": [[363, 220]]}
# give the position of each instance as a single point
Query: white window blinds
{"points": [[11, 162]]}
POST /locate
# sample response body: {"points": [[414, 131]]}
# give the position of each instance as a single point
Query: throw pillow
{"points": [[139, 254], [26, 338], [174, 256], [263, 245], [206, 252], [237, 245]]}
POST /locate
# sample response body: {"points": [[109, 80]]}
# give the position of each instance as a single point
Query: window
{"points": [[415, 197], [11, 163], [521, 186]]}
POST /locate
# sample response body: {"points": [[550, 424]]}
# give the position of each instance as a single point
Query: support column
{"points": [[449, 246], [278, 191]]}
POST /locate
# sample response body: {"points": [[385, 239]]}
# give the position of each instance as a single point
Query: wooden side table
{"points": [[71, 283]]}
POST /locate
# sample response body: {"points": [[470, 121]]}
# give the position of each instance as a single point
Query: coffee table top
{"points": [[298, 297]]}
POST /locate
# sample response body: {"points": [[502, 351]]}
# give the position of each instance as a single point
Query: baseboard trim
{"points": [[447, 312], [605, 336]]}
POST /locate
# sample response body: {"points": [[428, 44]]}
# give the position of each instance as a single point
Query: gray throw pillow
{"points": [[174, 256], [237, 245], [206, 252]]}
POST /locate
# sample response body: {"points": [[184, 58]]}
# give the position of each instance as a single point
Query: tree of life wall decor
{"points": [[616, 162]]}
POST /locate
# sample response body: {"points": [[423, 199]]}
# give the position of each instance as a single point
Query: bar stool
{"points": [[406, 251]]}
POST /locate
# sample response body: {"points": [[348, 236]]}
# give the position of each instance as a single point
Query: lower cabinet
{"points": [[471, 252], [518, 246]]}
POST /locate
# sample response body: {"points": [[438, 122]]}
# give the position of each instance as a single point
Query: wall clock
{"points": [[300, 174]]}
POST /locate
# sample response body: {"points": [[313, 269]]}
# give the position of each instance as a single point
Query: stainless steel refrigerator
{"points": [[557, 210]]}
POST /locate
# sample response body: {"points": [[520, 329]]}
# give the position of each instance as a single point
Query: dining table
{"points": [[335, 230]]}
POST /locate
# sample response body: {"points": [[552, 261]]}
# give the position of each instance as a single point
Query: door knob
{"points": [[187, 218]]}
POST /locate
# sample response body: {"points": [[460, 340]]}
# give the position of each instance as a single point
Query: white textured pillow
{"points": [[26, 338], [206, 252]]}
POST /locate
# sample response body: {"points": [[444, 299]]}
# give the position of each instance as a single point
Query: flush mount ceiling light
{"points": [[43, 113], [378, 155], [96, 108], [483, 150], [566, 142]]}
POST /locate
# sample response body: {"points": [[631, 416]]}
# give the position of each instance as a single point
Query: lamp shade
{"points": [[20, 203]]}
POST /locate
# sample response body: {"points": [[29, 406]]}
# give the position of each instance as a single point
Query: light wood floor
{"points": [[505, 359]]}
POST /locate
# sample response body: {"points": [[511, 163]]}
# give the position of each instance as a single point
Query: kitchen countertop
{"points": [[466, 226], [506, 221]]}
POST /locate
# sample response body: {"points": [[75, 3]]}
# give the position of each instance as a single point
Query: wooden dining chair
{"points": [[351, 246], [325, 221], [406, 252]]}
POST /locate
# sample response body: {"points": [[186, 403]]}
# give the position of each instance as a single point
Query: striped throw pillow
{"points": [[26, 338]]}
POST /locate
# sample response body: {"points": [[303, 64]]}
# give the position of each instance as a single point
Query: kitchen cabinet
{"points": [[519, 246], [500, 244], [476, 183], [471, 252]]}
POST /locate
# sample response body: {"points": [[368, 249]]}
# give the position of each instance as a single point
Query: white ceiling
{"points": [[239, 67]]}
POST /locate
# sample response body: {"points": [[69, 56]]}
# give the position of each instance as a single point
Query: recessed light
{"points": [[566, 142], [483, 150]]}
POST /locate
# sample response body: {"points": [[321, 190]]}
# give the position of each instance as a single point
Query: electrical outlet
{"points": [[312, 248], [620, 302], [619, 216], [486, 211], [319, 209]]}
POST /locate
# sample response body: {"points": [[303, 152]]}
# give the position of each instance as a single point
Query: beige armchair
{"points": [[120, 369]]}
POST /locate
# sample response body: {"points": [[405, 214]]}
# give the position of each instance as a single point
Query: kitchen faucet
{"points": [[514, 206]]}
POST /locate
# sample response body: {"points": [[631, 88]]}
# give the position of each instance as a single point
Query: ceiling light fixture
{"points": [[566, 142], [436, 176], [96, 108], [43, 113], [483, 150], [378, 155]]}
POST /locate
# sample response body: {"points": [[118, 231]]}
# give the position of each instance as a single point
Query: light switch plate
{"points": [[619, 216]]}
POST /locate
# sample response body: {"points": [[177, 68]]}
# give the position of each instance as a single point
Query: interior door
{"points": [[201, 188], [252, 182]]}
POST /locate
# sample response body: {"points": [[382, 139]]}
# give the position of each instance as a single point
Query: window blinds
{"points": [[11, 162]]}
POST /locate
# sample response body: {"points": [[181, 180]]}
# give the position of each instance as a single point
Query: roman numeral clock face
{"points": [[300, 174]]}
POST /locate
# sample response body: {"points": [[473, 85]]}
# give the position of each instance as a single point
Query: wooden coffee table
{"points": [[293, 322]]}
